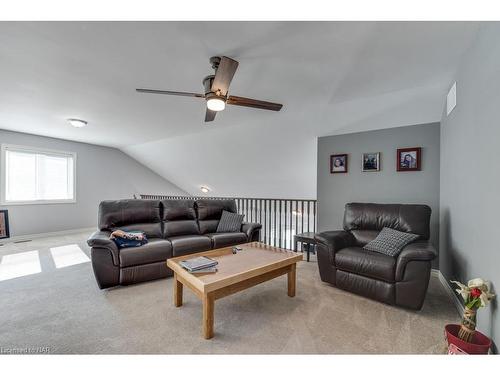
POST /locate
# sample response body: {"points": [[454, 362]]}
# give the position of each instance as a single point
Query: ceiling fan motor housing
{"points": [[207, 84], [215, 61]]}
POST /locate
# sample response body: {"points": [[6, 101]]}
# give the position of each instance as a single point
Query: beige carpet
{"points": [[62, 309]]}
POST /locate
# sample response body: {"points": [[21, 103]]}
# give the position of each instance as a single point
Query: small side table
{"points": [[306, 239]]}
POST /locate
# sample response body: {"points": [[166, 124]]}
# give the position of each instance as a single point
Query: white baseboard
{"points": [[29, 237], [449, 290]]}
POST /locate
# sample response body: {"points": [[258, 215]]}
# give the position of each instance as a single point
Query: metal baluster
{"points": [[286, 212], [296, 218], [308, 216], [268, 221], [301, 216], [314, 216], [260, 211], [264, 225], [279, 224], [274, 227]]}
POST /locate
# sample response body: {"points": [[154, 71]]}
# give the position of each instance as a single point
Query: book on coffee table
{"points": [[198, 263], [204, 270]]}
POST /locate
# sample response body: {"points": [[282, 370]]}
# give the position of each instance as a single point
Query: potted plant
{"points": [[475, 294]]}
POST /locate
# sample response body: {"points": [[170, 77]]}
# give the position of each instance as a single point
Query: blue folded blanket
{"points": [[128, 239]]}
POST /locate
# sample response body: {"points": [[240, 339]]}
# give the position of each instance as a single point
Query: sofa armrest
{"points": [[333, 241], [416, 251], [100, 240], [252, 230]]}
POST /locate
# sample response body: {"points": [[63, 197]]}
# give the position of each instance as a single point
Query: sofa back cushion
{"points": [[179, 218], [209, 212], [412, 218], [131, 215]]}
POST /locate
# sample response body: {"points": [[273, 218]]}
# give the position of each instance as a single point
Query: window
{"points": [[32, 175]]}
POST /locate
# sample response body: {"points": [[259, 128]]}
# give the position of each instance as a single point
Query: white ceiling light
{"points": [[216, 104], [76, 123], [204, 189]]}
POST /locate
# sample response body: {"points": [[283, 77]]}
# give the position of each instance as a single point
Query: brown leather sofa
{"points": [[173, 228], [401, 280]]}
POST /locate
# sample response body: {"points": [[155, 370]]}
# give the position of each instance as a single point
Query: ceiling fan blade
{"points": [[210, 115], [177, 93], [253, 103], [224, 75]]}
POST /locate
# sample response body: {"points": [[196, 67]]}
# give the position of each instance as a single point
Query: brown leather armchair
{"points": [[401, 280]]}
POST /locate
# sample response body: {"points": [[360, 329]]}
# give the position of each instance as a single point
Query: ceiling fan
{"points": [[216, 90]]}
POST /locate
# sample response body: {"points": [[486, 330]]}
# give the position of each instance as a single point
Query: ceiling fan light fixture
{"points": [[216, 104]]}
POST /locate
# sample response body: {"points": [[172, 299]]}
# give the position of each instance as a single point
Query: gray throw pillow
{"points": [[230, 222], [390, 241]]}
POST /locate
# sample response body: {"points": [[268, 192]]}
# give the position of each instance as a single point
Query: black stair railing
{"points": [[281, 219]]}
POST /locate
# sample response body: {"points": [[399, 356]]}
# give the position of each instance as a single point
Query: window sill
{"points": [[27, 203]]}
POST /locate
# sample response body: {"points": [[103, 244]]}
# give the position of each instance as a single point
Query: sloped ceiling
{"points": [[332, 77]]}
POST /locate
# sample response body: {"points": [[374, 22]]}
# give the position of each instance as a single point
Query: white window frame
{"points": [[34, 150]]}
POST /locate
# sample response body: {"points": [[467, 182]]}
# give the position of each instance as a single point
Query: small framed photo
{"points": [[338, 163], [409, 159], [4, 224], [371, 162]]}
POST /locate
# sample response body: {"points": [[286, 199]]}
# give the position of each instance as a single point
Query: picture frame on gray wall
{"points": [[409, 159], [370, 162], [338, 163]]}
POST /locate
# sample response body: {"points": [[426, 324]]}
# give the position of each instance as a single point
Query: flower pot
{"points": [[480, 343]]}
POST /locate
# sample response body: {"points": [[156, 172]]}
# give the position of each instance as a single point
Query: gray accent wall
{"points": [[101, 173], [386, 186], [470, 178]]}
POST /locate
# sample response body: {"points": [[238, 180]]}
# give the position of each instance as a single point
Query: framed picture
{"points": [[371, 162], [4, 224], [338, 163], [409, 159]]}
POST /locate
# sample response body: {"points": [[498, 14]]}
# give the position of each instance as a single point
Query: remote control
{"points": [[236, 249]]}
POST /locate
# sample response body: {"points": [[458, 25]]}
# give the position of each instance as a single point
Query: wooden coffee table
{"points": [[253, 265]]}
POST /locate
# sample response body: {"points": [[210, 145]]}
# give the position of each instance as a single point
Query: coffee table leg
{"points": [[177, 292], [292, 277], [208, 316]]}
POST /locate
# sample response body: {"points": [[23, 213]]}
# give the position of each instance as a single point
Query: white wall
{"points": [[101, 173], [470, 174]]}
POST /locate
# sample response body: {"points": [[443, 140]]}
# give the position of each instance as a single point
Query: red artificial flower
{"points": [[475, 292]]}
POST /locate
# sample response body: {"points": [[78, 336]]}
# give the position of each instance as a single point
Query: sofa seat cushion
{"points": [[182, 245], [156, 250], [227, 239], [366, 263]]}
